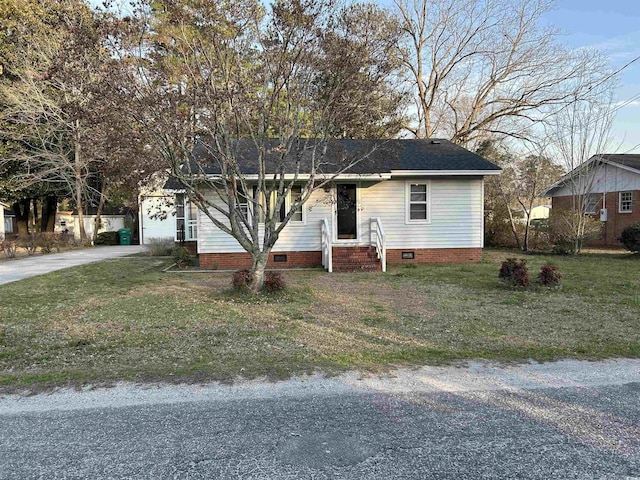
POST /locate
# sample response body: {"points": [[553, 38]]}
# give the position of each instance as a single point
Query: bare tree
{"points": [[214, 73], [482, 68], [575, 136]]}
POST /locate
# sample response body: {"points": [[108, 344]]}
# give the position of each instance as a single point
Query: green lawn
{"points": [[125, 319]]}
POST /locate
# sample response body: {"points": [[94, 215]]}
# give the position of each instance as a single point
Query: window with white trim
{"points": [[625, 202], [417, 202], [590, 202], [186, 219], [294, 194]]}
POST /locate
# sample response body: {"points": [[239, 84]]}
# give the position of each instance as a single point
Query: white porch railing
{"points": [[378, 240], [327, 253]]}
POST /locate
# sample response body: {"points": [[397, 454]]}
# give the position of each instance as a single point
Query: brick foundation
{"points": [[314, 259], [435, 255], [243, 260]]}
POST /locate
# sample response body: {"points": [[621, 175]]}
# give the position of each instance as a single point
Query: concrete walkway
{"points": [[13, 270]]}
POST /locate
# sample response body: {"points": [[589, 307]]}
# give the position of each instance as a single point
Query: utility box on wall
{"points": [[603, 214]]}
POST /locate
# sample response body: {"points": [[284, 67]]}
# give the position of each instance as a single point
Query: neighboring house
{"points": [[408, 201], [111, 220], [7, 221], [611, 183]]}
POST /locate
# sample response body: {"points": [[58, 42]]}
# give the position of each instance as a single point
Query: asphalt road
{"points": [[564, 420], [18, 269]]}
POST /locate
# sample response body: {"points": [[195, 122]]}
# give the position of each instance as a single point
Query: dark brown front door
{"points": [[346, 211]]}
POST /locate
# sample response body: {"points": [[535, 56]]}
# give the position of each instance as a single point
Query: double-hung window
{"points": [[417, 202], [293, 195], [626, 202], [590, 202]]}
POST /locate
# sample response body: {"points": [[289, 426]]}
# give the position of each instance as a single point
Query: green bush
{"points": [[630, 237], [564, 246], [182, 257], [107, 238]]}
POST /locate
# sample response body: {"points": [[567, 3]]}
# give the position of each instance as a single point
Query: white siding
{"points": [[456, 219], [456, 214], [608, 178], [295, 237]]}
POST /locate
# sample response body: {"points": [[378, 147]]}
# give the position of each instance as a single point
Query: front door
{"points": [[346, 208]]}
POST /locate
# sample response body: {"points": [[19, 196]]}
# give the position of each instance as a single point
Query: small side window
{"points": [[626, 202]]}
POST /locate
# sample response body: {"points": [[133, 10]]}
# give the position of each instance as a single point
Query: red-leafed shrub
{"points": [[241, 279], [273, 282], [514, 272], [549, 276]]}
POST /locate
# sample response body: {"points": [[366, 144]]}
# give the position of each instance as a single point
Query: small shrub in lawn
{"points": [[29, 243], [9, 247], [241, 279], [273, 282], [514, 272], [160, 247], [630, 237], [47, 241], [549, 276], [563, 246], [107, 238], [182, 257]]}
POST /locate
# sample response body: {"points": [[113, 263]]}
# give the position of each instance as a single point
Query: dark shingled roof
{"points": [[627, 159], [383, 156]]}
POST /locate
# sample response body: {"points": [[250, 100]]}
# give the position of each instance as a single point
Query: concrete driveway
{"points": [[13, 270], [564, 420]]}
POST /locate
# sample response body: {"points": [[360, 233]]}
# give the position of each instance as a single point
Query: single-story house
{"points": [[611, 185], [407, 201], [7, 221], [111, 220]]}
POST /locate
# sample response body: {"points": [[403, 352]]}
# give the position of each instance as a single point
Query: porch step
{"points": [[355, 259]]}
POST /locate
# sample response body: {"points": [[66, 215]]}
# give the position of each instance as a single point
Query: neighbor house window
{"points": [[590, 202], [417, 202], [626, 202]]}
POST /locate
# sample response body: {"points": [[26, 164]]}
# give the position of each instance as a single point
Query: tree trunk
{"points": [[48, 217], [35, 220], [78, 191], [96, 222], [21, 209], [257, 270]]}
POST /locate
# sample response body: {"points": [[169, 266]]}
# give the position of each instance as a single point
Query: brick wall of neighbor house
{"points": [[616, 222], [435, 255], [314, 259], [243, 260]]}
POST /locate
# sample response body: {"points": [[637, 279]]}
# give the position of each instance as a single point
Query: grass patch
{"points": [[125, 320]]}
